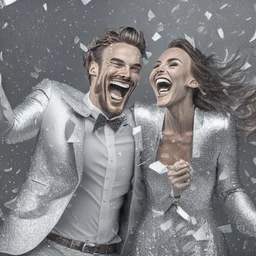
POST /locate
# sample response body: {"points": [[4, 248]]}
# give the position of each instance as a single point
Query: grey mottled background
{"points": [[37, 43]]}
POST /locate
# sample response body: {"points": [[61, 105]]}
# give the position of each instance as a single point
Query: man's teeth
{"points": [[114, 96], [123, 85]]}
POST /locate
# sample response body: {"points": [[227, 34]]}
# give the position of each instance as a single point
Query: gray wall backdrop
{"points": [[37, 43]]}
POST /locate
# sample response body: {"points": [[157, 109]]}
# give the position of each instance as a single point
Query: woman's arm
{"points": [[237, 204]]}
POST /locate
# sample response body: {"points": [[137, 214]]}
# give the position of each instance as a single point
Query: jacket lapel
{"points": [[197, 132], [75, 131]]}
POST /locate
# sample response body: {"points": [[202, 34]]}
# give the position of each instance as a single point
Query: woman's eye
{"points": [[173, 64]]}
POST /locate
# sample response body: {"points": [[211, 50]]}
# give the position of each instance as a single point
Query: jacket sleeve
{"points": [[24, 121], [236, 203]]}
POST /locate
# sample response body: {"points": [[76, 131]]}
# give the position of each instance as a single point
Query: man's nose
{"points": [[160, 69], [126, 72]]}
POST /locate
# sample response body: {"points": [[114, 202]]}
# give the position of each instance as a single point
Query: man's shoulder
{"points": [[50, 87]]}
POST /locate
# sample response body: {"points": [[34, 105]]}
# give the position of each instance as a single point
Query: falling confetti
{"points": [[166, 225], [223, 6], [120, 153], [175, 8], [15, 190], [246, 66], [223, 176], [160, 27], [201, 233], [208, 15], [253, 180], [11, 204], [149, 54], [1, 56], [225, 228], [151, 15], [254, 160], [221, 33], [158, 167], [8, 170], [136, 130], [6, 3], [76, 40], [191, 40], [5, 25], [253, 38], [156, 37], [85, 2], [45, 7], [83, 47], [34, 75]]}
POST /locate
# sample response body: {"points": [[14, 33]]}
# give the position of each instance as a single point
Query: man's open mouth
{"points": [[163, 86], [118, 90]]}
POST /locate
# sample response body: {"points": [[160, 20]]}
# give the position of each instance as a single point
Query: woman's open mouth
{"points": [[163, 86]]}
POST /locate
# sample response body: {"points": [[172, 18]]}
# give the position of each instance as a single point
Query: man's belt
{"points": [[81, 246]]}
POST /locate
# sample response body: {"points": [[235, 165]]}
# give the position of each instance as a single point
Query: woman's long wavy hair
{"points": [[224, 87]]}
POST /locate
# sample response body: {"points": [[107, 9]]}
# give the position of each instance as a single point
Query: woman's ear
{"points": [[192, 83], [94, 69]]}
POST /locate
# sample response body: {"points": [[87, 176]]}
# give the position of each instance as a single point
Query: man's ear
{"points": [[94, 69], [192, 83]]}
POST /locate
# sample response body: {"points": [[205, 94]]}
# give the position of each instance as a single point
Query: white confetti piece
{"points": [[145, 61], [166, 225], [83, 47], [184, 215], [136, 130], [248, 18], [253, 143], [157, 214], [253, 38], [255, 7], [223, 6], [201, 233], [5, 25], [246, 66], [1, 212], [45, 7], [85, 2], [221, 33], [1, 56], [34, 75], [242, 33], [15, 190], [76, 40], [246, 173], [156, 37], [191, 40], [223, 176], [160, 27], [149, 54], [8, 170], [225, 228], [175, 8], [120, 153], [158, 167], [226, 56], [208, 15], [200, 29], [253, 180], [254, 160], [151, 15], [6, 3], [18, 171], [11, 204]]}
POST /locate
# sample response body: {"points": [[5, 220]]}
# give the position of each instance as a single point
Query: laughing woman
{"points": [[201, 106]]}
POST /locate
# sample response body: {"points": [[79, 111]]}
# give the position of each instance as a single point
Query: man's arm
{"points": [[237, 204], [24, 121]]}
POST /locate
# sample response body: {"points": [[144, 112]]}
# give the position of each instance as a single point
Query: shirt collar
{"points": [[94, 110]]}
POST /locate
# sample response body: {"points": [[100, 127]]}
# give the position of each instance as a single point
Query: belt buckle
{"points": [[88, 248]]}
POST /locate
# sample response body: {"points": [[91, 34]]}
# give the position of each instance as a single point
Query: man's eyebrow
{"points": [[117, 60], [122, 62]]}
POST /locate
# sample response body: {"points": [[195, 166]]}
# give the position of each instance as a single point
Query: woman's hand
{"points": [[179, 177]]}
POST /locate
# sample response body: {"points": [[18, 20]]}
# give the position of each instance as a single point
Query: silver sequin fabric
{"points": [[163, 231]]}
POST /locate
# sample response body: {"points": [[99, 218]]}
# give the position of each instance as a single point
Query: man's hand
{"points": [[179, 177]]}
